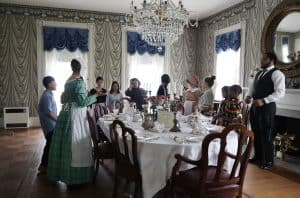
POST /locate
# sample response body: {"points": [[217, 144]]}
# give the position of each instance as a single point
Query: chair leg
{"points": [[167, 190], [116, 185], [96, 170], [171, 190], [138, 192]]}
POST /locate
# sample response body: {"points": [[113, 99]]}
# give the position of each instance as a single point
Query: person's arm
{"points": [[278, 79], [107, 100], [120, 97], [52, 116], [81, 97], [48, 105], [104, 91]]}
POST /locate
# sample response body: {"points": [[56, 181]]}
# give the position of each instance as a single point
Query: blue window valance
{"points": [[229, 40], [69, 38], [285, 40], [135, 43]]}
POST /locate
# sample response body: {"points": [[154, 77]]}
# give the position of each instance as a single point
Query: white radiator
{"points": [[16, 117]]}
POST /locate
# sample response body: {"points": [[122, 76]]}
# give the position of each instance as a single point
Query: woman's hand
{"points": [[99, 93]]}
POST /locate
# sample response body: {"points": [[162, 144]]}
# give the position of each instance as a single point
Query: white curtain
{"points": [[148, 69], [58, 65], [227, 70]]}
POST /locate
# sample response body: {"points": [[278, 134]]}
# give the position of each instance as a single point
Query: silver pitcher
{"points": [[148, 122]]}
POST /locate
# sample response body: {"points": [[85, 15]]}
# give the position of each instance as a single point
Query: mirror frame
{"points": [[282, 10]]}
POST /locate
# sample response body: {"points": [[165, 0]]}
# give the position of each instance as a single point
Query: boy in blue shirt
{"points": [[48, 115]]}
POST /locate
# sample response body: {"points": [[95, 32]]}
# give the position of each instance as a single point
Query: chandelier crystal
{"points": [[159, 22]]}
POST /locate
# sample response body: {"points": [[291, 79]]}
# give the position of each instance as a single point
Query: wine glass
{"points": [[115, 109]]}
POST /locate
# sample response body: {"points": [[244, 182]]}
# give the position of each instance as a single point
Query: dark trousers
{"points": [[262, 124], [46, 149]]}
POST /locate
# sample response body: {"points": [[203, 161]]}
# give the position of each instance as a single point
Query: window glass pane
{"points": [[148, 69], [58, 65], [227, 70]]}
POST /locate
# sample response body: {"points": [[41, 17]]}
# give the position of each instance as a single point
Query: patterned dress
{"points": [[232, 113], [71, 141]]}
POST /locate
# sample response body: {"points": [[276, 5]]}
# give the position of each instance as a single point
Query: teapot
{"points": [[148, 121]]}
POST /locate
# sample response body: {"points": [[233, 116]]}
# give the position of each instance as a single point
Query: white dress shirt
{"points": [[278, 79]]}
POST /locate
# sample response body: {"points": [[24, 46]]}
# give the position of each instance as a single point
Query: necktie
{"points": [[262, 74]]}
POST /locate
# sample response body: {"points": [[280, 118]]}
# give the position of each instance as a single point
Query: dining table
{"points": [[157, 147]]}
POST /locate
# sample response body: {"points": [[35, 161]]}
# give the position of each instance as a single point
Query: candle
{"points": [[175, 89], [180, 92]]}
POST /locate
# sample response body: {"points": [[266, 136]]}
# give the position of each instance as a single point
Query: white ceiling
{"points": [[290, 23], [199, 8]]}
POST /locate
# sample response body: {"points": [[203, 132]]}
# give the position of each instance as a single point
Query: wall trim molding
{"points": [[34, 122], [62, 13], [228, 13]]}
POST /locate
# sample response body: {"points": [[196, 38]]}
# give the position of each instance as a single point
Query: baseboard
{"points": [[1, 122], [34, 122]]}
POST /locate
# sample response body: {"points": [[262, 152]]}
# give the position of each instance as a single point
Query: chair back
{"points": [[238, 170], [216, 106], [245, 114], [126, 160], [100, 109], [92, 126]]}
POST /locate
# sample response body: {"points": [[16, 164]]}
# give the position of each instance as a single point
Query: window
{"points": [[227, 70], [142, 61], [285, 49], [148, 69], [57, 65], [57, 62], [228, 59]]}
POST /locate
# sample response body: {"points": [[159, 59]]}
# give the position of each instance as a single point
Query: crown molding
{"points": [[228, 13], [45, 13]]}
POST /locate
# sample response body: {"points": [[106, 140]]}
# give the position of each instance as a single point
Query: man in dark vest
{"points": [[268, 87]]}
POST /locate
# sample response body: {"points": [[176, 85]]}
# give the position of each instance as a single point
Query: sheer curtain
{"points": [[227, 70], [148, 69], [57, 65]]}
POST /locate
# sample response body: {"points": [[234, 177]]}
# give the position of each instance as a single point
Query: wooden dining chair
{"points": [[214, 181], [245, 114], [100, 109], [101, 150], [127, 165]]}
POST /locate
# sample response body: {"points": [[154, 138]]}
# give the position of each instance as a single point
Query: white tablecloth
{"points": [[156, 156]]}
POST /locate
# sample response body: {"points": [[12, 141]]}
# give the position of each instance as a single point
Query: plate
{"points": [[215, 128]]}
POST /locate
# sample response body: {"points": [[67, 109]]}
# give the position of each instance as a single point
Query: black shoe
{"points": [[254, 161], [267, 166]]}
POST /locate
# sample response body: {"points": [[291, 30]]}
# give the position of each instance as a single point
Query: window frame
{"points": [[125, 65], [242, 27], [41, 55]]}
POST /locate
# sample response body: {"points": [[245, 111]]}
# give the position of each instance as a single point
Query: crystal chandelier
{"points": [[159, 22]]}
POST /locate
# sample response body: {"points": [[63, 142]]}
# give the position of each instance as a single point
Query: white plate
{"points": [[215, 128]]}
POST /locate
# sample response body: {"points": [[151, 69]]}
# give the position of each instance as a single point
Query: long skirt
{"points": [[70, 156]]}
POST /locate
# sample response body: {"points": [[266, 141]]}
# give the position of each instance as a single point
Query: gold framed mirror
{"points": [[281, 35]]}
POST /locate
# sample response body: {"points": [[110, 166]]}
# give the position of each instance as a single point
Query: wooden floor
{"points": [[20, 154]]}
